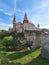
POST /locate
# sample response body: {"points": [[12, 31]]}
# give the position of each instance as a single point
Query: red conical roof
{"points": [[25, 17]]}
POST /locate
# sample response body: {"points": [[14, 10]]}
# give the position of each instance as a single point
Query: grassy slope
{"points": [[26, 57]]}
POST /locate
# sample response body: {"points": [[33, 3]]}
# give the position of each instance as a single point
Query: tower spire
{"points": [[14, 23], [25, 18], [14, 19]]}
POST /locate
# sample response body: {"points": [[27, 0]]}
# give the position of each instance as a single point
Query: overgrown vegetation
{"points": [[3, 33], [11, 41], [9, 54]]}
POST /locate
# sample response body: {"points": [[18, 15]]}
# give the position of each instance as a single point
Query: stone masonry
{"points": [[45, 45]]}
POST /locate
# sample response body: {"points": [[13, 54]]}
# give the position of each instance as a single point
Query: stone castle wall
{"points": [[38, 40], [34, 40], [45, 45]]}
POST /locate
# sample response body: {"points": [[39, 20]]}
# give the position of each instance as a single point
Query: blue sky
{"points": [[37, 12]]}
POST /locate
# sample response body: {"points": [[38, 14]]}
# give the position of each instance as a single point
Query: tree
{"points": [[10, 43], [7, 42], [3, 33]]}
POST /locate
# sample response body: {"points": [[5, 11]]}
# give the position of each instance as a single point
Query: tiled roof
{"points": [[31, 23], [20, 23]]}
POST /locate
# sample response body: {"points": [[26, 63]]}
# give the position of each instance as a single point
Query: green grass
{"points": [[39, 61], [25, 57]]}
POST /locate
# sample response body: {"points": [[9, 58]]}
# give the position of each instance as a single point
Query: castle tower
{"points": [[25, 19], [14, 23], [38, 26]]}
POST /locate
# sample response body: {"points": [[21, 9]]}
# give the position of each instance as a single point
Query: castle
{"points": [[32, 33]]}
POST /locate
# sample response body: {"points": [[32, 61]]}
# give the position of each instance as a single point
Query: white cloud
{"points": [[11, 19], [18, 10], [41, 15], [8, 13], [15, 9], [4, 28], [45, 26], [1, 10], [8, 10], [4, 25]]}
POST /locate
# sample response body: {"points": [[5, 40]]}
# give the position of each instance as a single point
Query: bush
{"points": [[8, 42]]}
